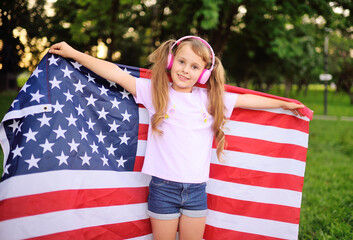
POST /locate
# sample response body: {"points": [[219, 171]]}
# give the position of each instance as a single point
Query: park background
{"points": [[271, 46]]}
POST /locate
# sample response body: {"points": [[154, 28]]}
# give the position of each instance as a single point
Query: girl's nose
{"points": [[186, 69]]}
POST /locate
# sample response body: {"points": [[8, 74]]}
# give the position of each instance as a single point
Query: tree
{"points": [[16, 15]]}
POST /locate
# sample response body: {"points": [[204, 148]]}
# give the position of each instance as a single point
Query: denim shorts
{"points": [[168, 199]]}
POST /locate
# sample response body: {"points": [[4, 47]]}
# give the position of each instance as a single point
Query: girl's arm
{"points": [[105, 69], [254, 101]]}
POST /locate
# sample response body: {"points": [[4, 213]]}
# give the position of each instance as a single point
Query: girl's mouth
{"points": [[183, 78]]}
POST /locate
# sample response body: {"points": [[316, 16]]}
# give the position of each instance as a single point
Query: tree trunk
{"points": [[288, 88], [114, 13]]}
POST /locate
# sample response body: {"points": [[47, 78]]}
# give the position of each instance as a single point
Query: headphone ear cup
{"points": [[170, 61], [205, 75]]}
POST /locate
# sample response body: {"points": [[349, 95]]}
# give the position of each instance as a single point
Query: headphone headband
{"points": [[177, 42]]}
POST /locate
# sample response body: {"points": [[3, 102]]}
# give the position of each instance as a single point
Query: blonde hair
{"points": [[215, 87]]}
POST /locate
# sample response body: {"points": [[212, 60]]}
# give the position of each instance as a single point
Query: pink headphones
{"points": [[205, 75]]}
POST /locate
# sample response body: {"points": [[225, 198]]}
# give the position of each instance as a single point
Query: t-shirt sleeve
{"points": [[229, 101], [143, 92]]}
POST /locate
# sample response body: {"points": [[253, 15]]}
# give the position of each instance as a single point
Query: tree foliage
{"points": [[262, 42]]}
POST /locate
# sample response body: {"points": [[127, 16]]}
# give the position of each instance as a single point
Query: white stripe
{"points": [[254, 193], [141, 148], [268, 133], [60, 221], [146, 237], [252, 225], [260, 163], [26, 111], [143, 116], [4, 144], [24, 185]]}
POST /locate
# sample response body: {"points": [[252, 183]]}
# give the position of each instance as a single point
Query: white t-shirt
{"points": [[183, 152]]}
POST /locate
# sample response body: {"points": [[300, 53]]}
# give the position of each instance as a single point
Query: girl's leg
{"points": [[191, 228], [164, 229]]}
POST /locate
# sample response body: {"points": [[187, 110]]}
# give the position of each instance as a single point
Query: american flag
{"points": [[74, 145]]}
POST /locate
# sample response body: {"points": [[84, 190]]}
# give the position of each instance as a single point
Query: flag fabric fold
{"points": [[74, 146]]}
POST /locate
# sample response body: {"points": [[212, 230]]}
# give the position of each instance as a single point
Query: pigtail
{"points": [[160, 83], [215, 87]]}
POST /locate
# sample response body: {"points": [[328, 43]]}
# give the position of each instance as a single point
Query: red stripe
{"points": [[253, 209], [138, 163], [270, 119], [70, 199], [143, 131], [145, 73], [112, 231], [212, 233], [266, 148], [256, 178]]}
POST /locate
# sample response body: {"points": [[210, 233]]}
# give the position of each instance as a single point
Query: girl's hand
{"points": [[63, 49], [293, 107]]}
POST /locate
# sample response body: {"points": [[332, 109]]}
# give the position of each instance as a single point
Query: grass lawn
{"points": [[327, 203], [338, 104]]}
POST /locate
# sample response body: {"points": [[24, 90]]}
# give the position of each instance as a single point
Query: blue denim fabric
{"points": [[168, 199]]}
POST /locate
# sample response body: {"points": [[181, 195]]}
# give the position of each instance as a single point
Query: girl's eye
{"points": [[181, 61], [195, 67]]}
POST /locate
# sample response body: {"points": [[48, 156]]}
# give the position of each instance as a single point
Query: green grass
{"points": [[327, 204], [338, 104]]}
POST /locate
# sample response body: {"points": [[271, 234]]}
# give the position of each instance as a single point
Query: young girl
{"points": [[183, 122]]}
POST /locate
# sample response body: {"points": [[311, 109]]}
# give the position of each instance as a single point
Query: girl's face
{"points": [[186, 70]]}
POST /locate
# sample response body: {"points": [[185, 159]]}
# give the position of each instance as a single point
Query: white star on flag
{"points": [[47, 146], [76, 65], [124, 139], [79, 110], [55, 83], [126, 116], [72, 120], [113, 127], [44, 120], [85, 159], [67, 72], [111, 149], [91, 100], [79, 86], [62, 158], [36, 72], [60, 132], [83, 134], [125, 94], [90, 78], [90, 124], [32, 162], [102, 114], [101, 137], [58, 107], [115, 103], [17, 151], [68, 96], [94, 147], [14, 125], [73, 146], [36, 96], [121, 162], [105, 160], [104, 91], [25, 86], [30, 135], [53, 60]]}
